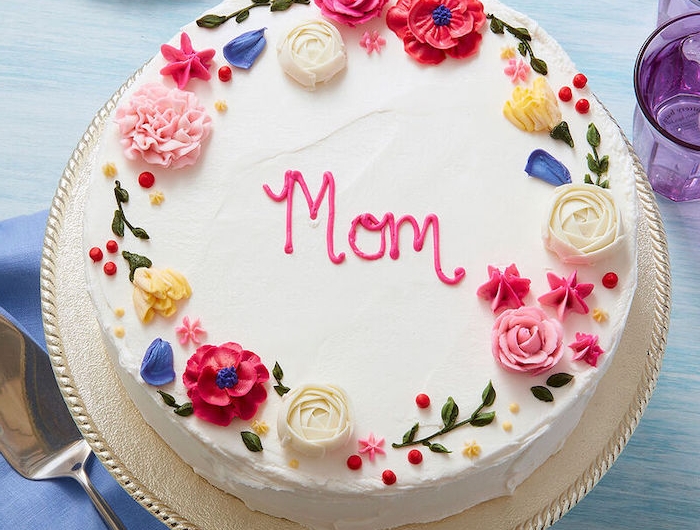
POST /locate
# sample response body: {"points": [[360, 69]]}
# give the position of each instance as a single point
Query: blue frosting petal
{"points": [[242, 51], [544, 166], [157, 365]]}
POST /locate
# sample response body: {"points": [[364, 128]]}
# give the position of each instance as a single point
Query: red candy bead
{"points": [[111, 246], [423, 401], [610, 280], [95, 254], [388, 477], [110, 268], [415, 456], [580, 80], [565, 93], [146, 179], [354, 462], [225, 74], [582, 106]]}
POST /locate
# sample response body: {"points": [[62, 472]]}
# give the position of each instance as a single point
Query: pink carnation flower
{"points": [[351, 12], [165, 127], [431, 30], [225, 382], [524, 340], [586, 348]]}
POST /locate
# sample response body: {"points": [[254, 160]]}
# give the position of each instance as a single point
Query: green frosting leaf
{"points": [[168, 399], [488, 396], [593, 136], [483, 419], [410, 435], [542, 393], [118, 223], [135, 261], [211, 21], [561, 132], [184, 410], [559, 380], [252, 441], [449, 413], [437, 448]]}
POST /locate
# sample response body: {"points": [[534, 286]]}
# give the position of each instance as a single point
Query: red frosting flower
{"points": [[351, 12], [433, 29], [586, 348], [225, 382]]}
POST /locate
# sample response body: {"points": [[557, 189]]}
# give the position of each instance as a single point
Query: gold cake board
{"points": [[159, 480]]}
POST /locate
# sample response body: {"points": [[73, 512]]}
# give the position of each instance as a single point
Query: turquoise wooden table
{"points": [[62, 60]]}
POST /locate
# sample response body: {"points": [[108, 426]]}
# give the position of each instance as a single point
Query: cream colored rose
{"points": [[315, 419], [156, 291], [312, 53], [533, 109], [583, 223]]}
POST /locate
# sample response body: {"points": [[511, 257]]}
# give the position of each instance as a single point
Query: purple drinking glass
{"points": [[667, 118], [669, 9]]}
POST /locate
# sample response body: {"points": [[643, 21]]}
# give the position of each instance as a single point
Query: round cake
{"points": [[361, 264]]}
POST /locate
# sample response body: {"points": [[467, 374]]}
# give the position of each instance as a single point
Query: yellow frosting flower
{"points": [[471, 449], [507, 52], [533, 109], [156, 291], [156, 198], [260, 427], [600, 315], [109, 170]]}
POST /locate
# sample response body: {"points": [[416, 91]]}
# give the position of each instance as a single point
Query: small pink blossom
{"points": [[372, 41], [371, 446], [586, 348], [505, 290], [185, 63], [517, 70], [566, 294], [190, 331]]}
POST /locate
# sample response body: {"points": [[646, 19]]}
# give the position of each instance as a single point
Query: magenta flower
{"points": [[517, 70], [431, 30], [189, 331], [371, 446], [185, 63], [566, 294], [225, 382], [351, 12], [586, 348], [372, 41], [505, 290]]}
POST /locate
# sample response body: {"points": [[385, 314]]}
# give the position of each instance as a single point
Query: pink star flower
{"points": [[185, 62], [566, 294], [372, 42], [189, 331], [517, 70], [371, 446], [505, 290], [586, 348]]}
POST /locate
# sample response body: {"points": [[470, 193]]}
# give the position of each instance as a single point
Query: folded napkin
{"points": [[59, 503]]}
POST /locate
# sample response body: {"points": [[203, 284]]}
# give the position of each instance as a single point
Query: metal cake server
{"points": [[38, 436]]}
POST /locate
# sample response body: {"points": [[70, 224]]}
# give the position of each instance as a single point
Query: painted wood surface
{"points": [[62, 60]]}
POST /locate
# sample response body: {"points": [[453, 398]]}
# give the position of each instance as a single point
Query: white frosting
{"points": [[397, 137]]}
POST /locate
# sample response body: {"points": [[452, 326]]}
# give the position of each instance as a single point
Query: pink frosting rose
{"points": [[165, 127], [225, 382], [351, 12], [524, 340], [431, 30]]}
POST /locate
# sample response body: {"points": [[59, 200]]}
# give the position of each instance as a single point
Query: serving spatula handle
{"points": [[108, 516]]}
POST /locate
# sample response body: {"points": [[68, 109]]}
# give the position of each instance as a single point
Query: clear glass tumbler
{"points": [[669, 9], [667, 118]]}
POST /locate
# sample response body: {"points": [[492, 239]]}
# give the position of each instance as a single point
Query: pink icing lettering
{"points": [[366, 221]]}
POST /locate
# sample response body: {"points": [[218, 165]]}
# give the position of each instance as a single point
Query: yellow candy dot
{"points": [[507, 426], [294, 463], [119, 312], [514, 408], [119, 332]]}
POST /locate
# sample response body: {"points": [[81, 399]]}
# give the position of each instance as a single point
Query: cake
{"points": [[361, 264]]}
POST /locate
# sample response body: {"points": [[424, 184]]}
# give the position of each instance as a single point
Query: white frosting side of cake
{"points": [[398, 137]]}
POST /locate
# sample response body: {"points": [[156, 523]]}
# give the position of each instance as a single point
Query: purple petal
{"points": [[544, 166], [157, 365], [242, 51]]}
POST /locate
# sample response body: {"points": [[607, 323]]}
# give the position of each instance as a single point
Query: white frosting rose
{"points": [[315, 419], [312, 53], [583, 223]]}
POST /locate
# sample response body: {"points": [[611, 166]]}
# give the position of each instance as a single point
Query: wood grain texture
{"points": [[63, 60]]}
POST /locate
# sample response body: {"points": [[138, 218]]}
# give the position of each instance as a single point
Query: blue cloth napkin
{"points": [[59, 503]]}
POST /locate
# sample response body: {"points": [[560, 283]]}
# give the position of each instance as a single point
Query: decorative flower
{"points": [[157, 365], [165, 127], [185, 63], [506, 289], [524, 340], [156, 291], [242, 51], [533, 109], [566, 294], [315, 419], [599, 315], [471, 449], [351, 12], [225, 382], [189, 331], [432, 30], [372, 41], [371, 446], [260, 427], [312, 53], [542, 165], [517, 70], [583, 223], [507, 52], [586, 348]]}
